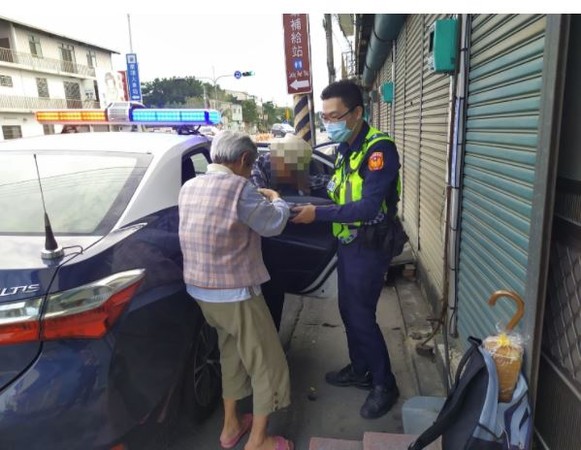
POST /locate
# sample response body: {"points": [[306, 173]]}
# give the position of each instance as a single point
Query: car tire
{"points": [[202, 387]]}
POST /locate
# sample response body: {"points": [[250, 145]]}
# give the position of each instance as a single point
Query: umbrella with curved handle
{"points": [[520, 306], [506, 348]]}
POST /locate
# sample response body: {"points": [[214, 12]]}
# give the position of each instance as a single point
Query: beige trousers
{"points": [[252, 358]]}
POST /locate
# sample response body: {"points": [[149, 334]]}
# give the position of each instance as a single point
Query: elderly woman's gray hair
{"points": [[229, 146]]}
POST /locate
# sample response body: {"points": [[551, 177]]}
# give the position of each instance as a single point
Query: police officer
{"points": [[365, 189]]}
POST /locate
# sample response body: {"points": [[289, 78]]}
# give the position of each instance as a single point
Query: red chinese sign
{"points": [[298, 53]]}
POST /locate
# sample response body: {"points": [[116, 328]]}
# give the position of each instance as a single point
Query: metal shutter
{"points": [[504, 89], [433, 151], [413, 98], [385, 114]]}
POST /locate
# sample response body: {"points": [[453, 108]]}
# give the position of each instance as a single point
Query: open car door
{"points": [[304, 257]]}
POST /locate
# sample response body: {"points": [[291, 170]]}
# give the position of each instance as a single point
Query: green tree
{"points": [[171, 91], [269, 109], [249, 112]]}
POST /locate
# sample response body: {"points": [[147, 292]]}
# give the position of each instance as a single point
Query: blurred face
{"points": [[281, 170], [288, 163]]}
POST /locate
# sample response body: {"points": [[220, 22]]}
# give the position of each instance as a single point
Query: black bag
{"points": [[393, 246], [473, 418], [388, 236]]}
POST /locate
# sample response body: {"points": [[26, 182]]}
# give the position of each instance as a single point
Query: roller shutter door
{"points": [[433, 151], [385, 108], [503, 104]]}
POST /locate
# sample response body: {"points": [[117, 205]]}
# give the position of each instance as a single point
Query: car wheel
{"points": [[203, 378]]}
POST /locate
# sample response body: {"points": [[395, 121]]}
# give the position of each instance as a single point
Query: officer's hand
{"points": [[304, 214], [269, 194]]}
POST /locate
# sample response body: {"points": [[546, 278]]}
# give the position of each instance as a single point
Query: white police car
{"points": [[97, 333]]}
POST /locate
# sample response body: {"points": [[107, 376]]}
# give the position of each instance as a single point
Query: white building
{"points": [[40, 69]]}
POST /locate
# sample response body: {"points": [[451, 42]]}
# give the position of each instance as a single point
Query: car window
{"points": [[328, 148], [200, 163], [84, 193]]}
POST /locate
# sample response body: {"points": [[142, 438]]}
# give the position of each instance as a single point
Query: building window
{"points": [[68, 58], [73, 94], [34, 44], [91, 59], [11, 131], [42, 87], [48, 128], [6, 81]]}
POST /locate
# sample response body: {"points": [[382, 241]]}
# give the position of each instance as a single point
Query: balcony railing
{"points": [[42, 64], [16, 103]]}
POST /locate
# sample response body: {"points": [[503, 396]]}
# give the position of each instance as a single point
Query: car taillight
{"points": [[90, 310], [84, 312], [19, 321]]}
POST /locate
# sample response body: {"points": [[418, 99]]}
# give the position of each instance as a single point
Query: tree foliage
{"points": [[164, 92], [249, 111], [174, 92]]}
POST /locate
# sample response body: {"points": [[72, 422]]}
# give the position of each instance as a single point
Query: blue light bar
{"points": [[177, 116]]}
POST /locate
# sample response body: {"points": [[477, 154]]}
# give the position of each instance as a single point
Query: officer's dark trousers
{"points": [[361, 273]]}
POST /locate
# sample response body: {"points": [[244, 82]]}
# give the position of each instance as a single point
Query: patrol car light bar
{"points": [[141, 116], [72, 116], [177, 116]]}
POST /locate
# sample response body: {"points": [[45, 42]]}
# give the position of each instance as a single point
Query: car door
{"points": [[304, 256]]}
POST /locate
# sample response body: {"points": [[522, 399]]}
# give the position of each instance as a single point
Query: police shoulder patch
{"points": [[375, 161]]}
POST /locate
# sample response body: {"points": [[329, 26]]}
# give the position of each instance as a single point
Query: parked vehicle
{"points": [[281, 129], [209, 131], [98, 337]]}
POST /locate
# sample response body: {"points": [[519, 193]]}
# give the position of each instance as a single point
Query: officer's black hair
{"points": [[347, 90]]}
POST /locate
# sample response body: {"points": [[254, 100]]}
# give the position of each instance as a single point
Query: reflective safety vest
{"points": [[346, 185]]}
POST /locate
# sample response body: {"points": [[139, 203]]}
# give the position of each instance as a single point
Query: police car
{"points": [[97, 334]]}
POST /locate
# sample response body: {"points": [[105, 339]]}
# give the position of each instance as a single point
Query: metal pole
{"points": [[215, 86], [312, 120], [130, 38], [328, 24], [206, 102]]}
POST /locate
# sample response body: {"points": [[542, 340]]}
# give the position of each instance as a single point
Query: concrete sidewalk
{"points": [[324, 417], [315, 340]]}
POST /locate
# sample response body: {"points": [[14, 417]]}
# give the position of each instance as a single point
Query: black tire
{"points": [[202, 387]]}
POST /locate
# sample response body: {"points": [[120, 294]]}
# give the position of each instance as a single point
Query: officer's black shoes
{"points": [[379, 401], [347, 377]]}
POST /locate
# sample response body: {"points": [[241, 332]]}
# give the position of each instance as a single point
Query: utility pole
{"points": [[206, 101], [328, 25], [130, 38]]}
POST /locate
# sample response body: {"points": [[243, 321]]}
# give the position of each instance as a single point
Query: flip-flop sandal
{"points": [[283, 444], [246, 424]]}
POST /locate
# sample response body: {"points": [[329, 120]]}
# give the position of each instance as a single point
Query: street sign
{"points": [[297, 48], [133, 84], [237, 74]]}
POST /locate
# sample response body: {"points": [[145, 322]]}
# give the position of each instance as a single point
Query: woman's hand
{"points": [[269, 194]]}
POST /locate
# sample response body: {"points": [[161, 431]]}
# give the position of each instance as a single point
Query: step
{"points": [[334, 444], [390, 441], [419, 413], [371, 441]]}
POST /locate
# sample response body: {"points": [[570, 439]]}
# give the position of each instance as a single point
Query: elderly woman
{"points": [[222, 216]]}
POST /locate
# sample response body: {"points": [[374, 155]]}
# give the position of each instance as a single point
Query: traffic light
{"points": [[248, 74]]}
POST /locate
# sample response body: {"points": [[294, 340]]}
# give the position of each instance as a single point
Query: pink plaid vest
{"points": [[220, 252]]}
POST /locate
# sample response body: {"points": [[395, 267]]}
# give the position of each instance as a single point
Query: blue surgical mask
{"points": [[338, 131]]}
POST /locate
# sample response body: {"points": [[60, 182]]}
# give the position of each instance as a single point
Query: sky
{"points": [[203, 44], [218, 37]]}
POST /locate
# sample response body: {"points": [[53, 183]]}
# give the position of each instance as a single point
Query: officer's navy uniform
{"points": [[361, 269]]}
